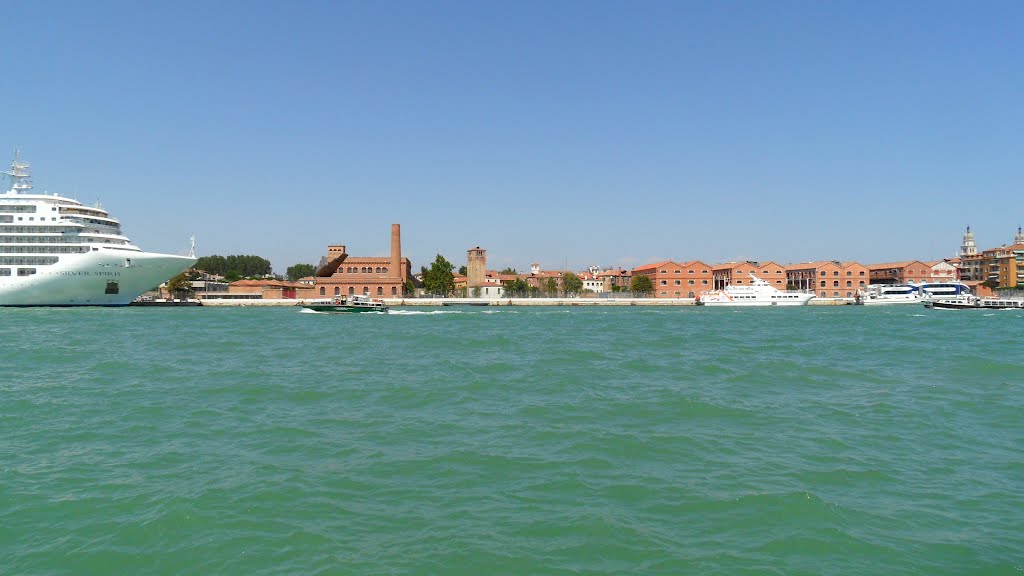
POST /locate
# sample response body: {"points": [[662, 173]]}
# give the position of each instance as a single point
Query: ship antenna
{"points": [[19, 174]]}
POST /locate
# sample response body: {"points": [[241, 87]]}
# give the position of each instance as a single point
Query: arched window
{"points": [[351, 290], [384, 270], [323, 291], [363, 269], [377, 270], [337, 290], [380, 290]]}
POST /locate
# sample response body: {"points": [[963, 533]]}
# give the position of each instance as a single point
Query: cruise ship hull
{"points": [[102, 277]]}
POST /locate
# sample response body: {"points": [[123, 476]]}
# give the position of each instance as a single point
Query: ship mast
{"points": [[19, 175]]}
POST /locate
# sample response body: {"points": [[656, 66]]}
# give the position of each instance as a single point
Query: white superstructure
{"points": [[877, 294], [758, 293], [54, 251]]}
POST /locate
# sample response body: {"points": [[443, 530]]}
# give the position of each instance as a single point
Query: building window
{"points": [[835, 273], [690, 281], [337, 290], [824, 295], [822, 285], [664, 282], [377, 270], [384, 270], [849, 294], [380, 290], [394, 291], [822, 273], [678, 282], [849, 284], [849, 272], [351, 290], [861, 273], [704, 282], [835, 294], [835, 284], [690, 294], [323, 291], [366, 291]]}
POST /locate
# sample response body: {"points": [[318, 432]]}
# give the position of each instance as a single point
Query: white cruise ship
{"points": [[56, 252], [758, 293]]}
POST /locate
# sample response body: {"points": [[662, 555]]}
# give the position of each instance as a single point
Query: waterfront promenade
{"points": [[505, 302]]}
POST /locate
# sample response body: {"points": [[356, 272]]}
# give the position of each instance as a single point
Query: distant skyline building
{"points": [[967, 247]]}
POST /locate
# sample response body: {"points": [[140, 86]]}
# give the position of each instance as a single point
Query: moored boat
{"points": [[969, 302], [879, 294], [55, 251], [346, 304], [758, 293]]}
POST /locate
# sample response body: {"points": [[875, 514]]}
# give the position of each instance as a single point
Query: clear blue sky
{"points": [[562, 132]]}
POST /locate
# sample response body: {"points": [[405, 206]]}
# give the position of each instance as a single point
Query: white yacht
{"points": [[54, 251], [878, 294], [758, 293], [951, 289]]}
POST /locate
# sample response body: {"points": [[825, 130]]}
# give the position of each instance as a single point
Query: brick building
{"points": [[678, 279], [828, 278], [381, 276]]}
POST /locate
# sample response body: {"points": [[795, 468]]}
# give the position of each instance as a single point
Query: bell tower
{"points": [[968, 248], [1019, 238]]}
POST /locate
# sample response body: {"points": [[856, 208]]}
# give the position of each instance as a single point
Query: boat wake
{"points": [[427, 312]]}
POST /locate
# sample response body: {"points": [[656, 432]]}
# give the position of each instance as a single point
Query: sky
{"points": [[566, 133]]}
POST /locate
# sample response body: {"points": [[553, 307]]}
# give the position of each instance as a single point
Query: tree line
{"points": [[234, 266]]}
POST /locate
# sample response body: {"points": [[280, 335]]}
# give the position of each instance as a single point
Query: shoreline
{"points": [[439, 302]]}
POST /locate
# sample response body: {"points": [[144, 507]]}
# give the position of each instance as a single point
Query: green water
{"points": [[814, 440]]}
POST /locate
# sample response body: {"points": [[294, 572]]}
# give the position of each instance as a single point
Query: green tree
{"points": [[463, 270], [517, 288], [300, 271], [241, 265], [550, 286], [410, 288], [180, 286], [439, 279], [509, 271], [572, 284], [641, 284]]}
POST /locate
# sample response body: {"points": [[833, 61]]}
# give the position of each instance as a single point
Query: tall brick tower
{"points": [[396, 250], [476, 266]]}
